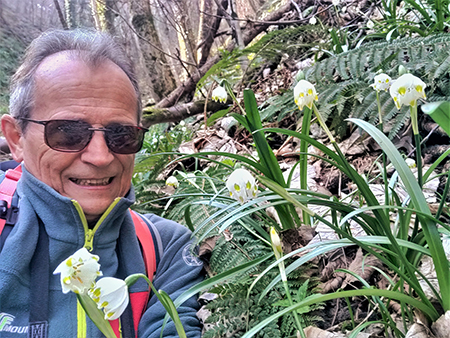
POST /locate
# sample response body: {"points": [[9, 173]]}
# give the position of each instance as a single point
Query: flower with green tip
{"points": [[406, 90], [111, 295], [305, 94], [79, 272], [381, 82], [242, 185], [172, 182], [276, 242], [219, 94]]}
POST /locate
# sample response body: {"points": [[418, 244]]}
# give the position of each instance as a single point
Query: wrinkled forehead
{"points": [[69, 72]]}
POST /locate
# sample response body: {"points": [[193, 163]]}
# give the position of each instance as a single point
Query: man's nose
{"points": [[97, 151]]}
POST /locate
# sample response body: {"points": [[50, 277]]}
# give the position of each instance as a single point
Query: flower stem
{"points": [[322, 124], [303, 167], [96, 315], [415, 127], [289, 297], [384, 173], [164, 299]]}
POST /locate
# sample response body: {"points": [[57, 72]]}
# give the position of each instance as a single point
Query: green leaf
{"points": [[429, 227], [440, 113], [217, 115], [96, 315], [172, 311], [314, 299]]}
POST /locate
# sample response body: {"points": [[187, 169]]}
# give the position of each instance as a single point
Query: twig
{"points": [[60, 15], [144, 39]]}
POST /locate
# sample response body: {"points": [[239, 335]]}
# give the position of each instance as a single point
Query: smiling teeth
{"points": [[103, 181]]}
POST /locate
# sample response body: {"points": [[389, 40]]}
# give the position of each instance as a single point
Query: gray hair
{"points": [[92, 47]]}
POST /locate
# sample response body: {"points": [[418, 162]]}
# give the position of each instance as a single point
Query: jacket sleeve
{"points": [[177, 271]]}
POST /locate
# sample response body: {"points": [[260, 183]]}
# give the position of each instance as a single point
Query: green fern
{"points": [[233, 313], [343, 80]]}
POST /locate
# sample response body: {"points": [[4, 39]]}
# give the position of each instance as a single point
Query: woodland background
{"points": [[182, 50]]}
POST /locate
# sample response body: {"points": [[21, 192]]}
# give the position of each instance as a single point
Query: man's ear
{"points": [[13, 135]]}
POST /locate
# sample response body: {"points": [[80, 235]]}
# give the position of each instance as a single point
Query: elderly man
{"points": [[74, 125]]}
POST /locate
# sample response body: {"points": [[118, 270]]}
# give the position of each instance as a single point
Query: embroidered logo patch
{"points": [[189, 258], [6, 321]]}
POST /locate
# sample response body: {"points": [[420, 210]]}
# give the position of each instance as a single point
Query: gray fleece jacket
{"points": [[114, 241]]}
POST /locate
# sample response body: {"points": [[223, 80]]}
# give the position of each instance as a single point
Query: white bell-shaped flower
{"points": [[381, 82], [111, 295], [242, 185], [172, 182], [305, 94], [406, 90], [219, 94], [79, 272]]}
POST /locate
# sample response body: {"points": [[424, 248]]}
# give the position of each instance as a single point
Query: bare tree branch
{"points": [[154, 115], [146, 40], [248, 35], [60, 15], [208, 37]]}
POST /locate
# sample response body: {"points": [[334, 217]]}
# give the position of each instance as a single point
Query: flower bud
{"points": [[276, 242]]}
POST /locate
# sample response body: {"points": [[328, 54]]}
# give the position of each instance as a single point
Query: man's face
{"points": [[67, 88]]}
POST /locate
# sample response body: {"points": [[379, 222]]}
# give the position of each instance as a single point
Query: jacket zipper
{"points": [[89, 233], [89, 245]]}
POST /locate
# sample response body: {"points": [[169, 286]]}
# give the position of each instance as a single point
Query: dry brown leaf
{"points": [[362, 266], [315, 332], [441, 327]]}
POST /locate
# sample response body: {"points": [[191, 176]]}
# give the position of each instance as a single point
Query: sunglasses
{"points": [[71, 136]]}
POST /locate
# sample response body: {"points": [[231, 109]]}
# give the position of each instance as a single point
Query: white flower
{"points": [[111, 294], [370, 24], [172, 182], [241, 185], [191, 178], [381, 82], [410, 162], [219, 94], [182, 123], [312, 20], [183, 129], [305, 94], [79, 272], [407, 89]]}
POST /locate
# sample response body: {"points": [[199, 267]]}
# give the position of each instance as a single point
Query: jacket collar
{"points": [[60, 217]]}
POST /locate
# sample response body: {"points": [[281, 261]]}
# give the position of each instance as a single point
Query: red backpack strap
{"points": [[7, 189], [148, 247], [139, 300]]}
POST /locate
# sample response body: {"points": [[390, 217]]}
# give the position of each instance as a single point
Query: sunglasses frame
{"points": [[91, 129]]}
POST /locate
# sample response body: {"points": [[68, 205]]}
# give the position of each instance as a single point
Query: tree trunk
{"points": [[209, 29], [251, 31]]}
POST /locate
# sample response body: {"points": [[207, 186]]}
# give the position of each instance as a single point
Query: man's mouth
{"points": [[92, 182]]}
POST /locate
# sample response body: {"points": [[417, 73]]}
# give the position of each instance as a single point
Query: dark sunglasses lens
{"points": [[123, 139], [67, 135]]}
